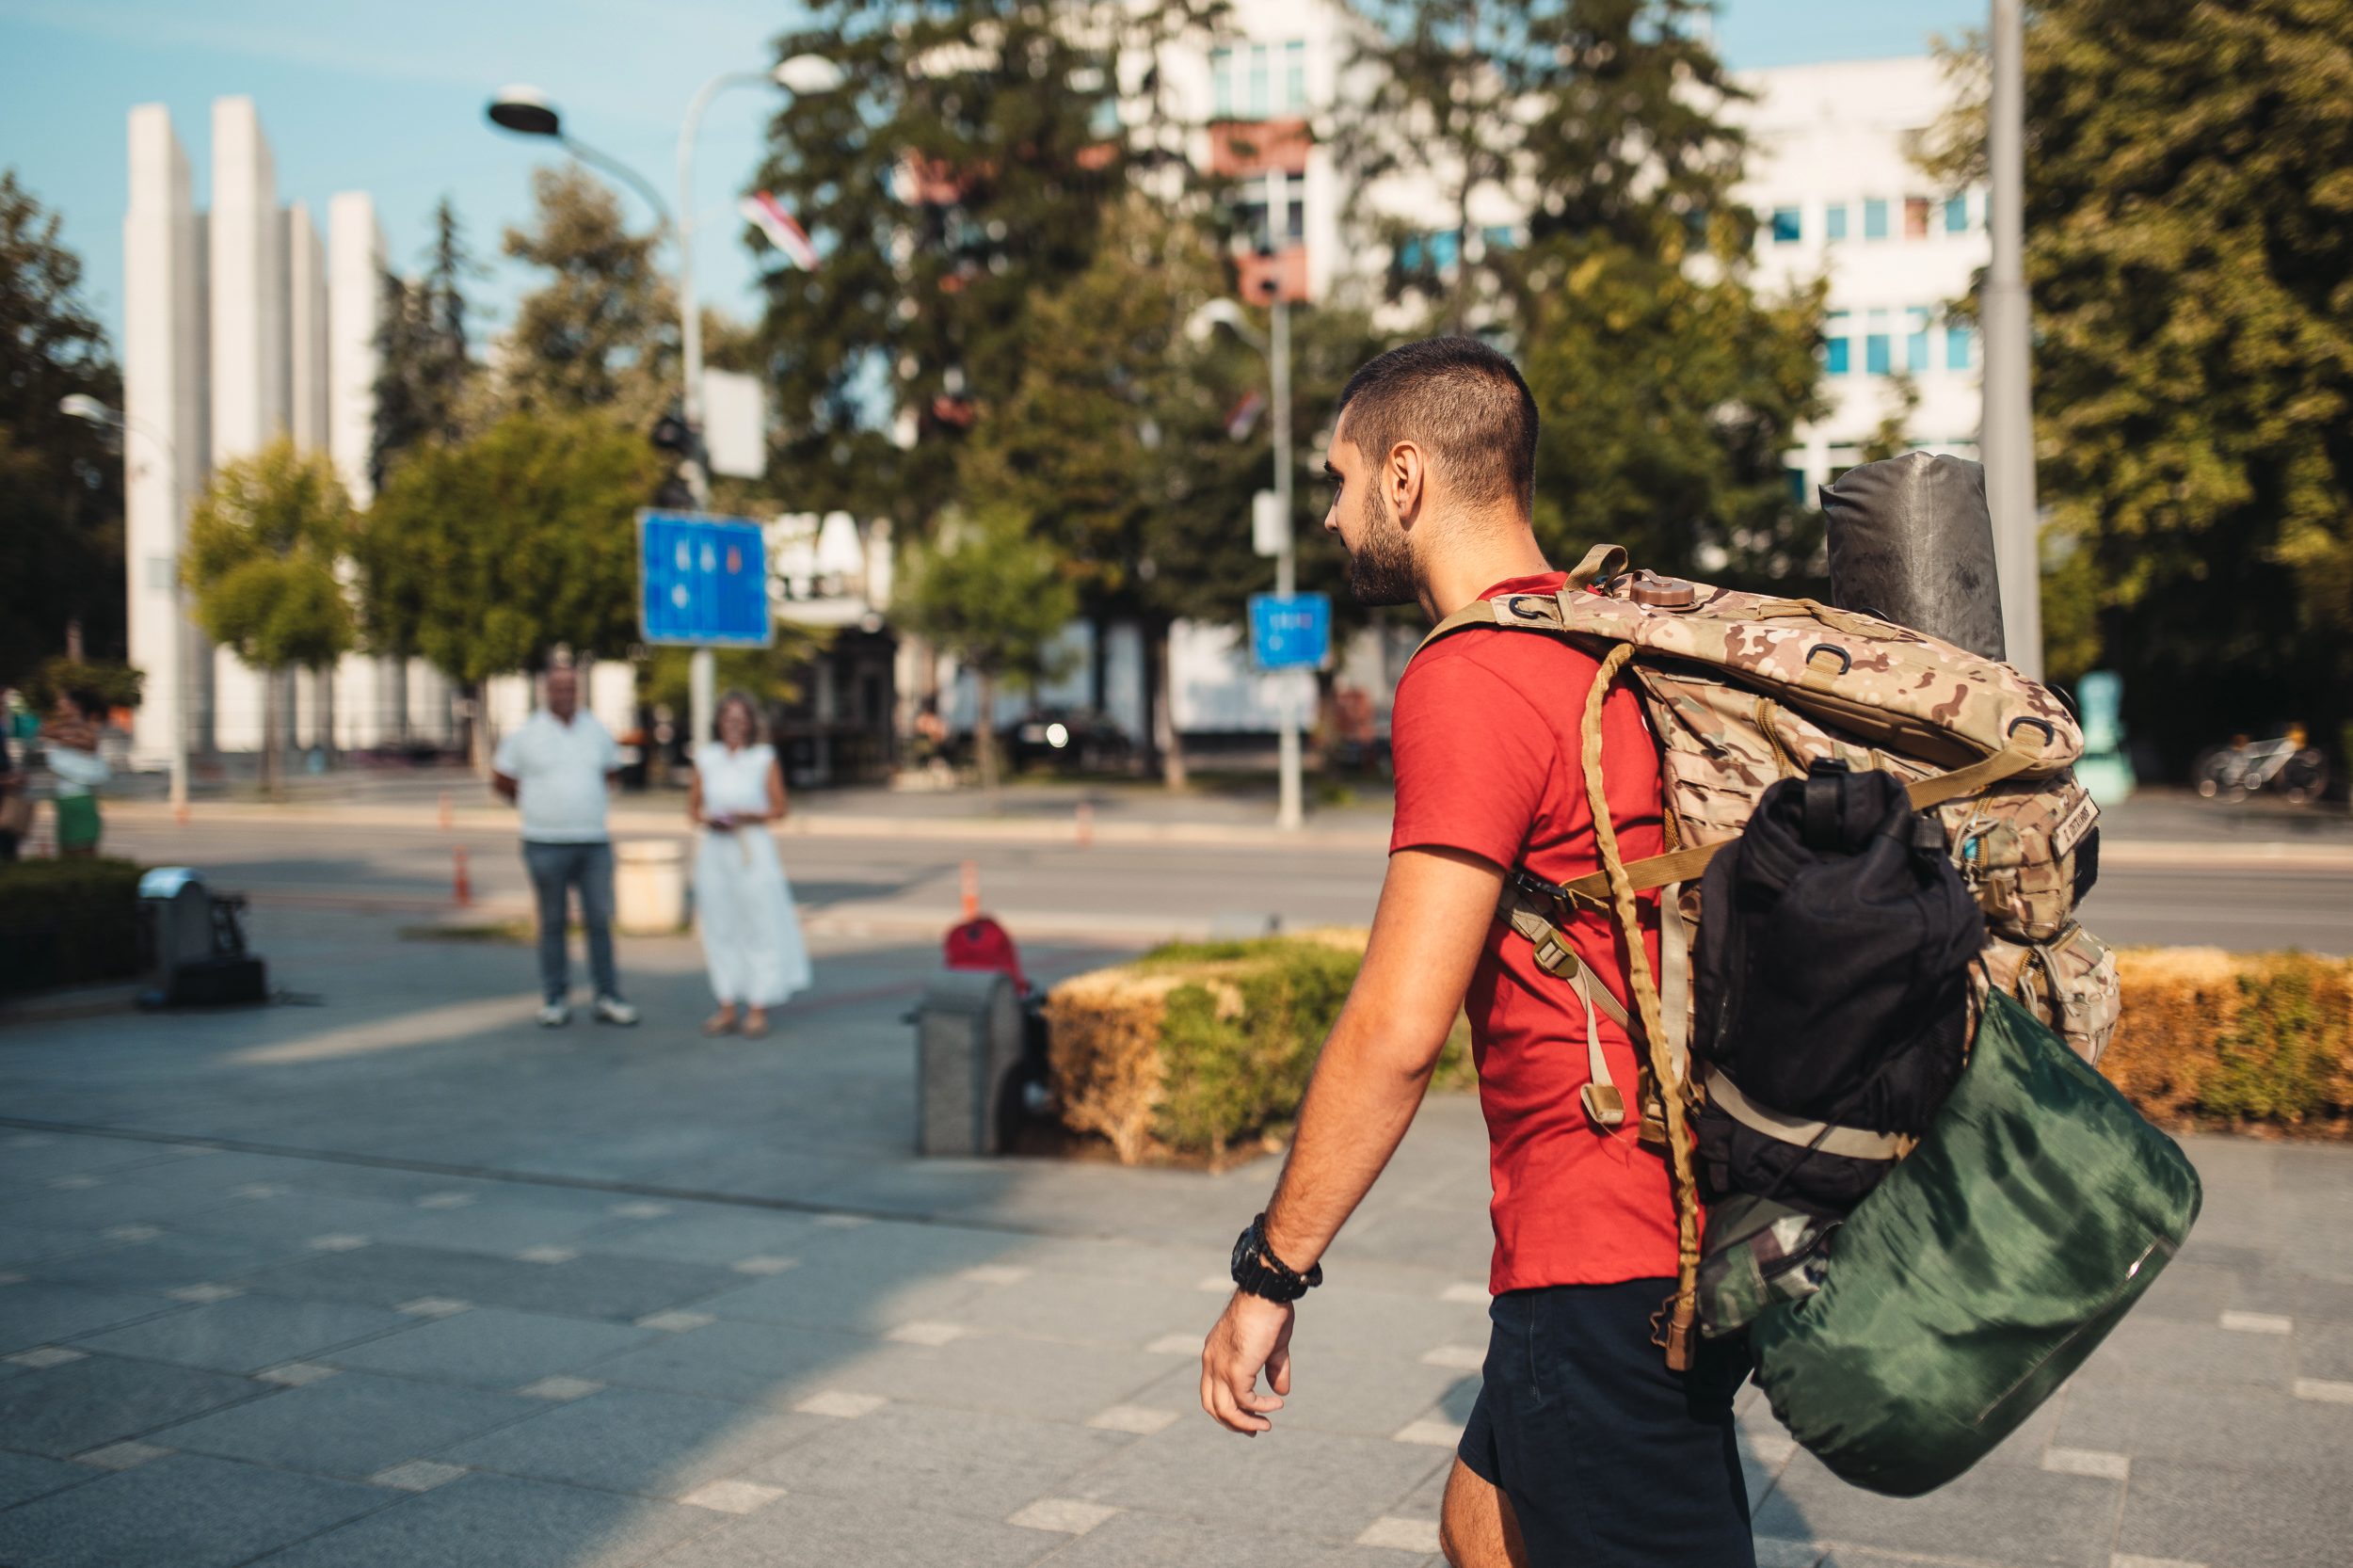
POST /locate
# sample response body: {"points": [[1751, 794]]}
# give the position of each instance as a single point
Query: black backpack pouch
{"points": [[1831, 979]]}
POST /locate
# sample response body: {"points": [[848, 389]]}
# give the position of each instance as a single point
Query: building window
{"points": [[1834, 221], [1260, 67], [1499, 237], [1295, 75], [1916, 339], [1834, 345], [1875, 219], [1795, 479], [1787, 227], [1957, 214], [1877, 357], [1915, 218], [1221, 83], [1958, 351]]}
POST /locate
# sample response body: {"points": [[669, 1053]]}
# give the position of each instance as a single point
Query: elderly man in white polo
{"points": [[556, 768]]}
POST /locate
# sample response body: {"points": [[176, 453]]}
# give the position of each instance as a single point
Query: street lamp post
{"points": [[83, 406], [527, 111], [1288, 812], [1276, 346]]}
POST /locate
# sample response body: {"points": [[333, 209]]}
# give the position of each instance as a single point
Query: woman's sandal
{"points": [[754, 1023], [722, 1023]]}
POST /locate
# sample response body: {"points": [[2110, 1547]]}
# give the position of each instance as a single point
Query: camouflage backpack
{"points": [[1741, 690]]}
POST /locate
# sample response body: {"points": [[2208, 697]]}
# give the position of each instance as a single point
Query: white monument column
{"points": [[370, 693], [165, 453], [310, 718], [249, 360]]}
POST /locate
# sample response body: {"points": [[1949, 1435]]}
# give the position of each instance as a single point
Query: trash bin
{"points": [[968, 1035], [649, 886]]}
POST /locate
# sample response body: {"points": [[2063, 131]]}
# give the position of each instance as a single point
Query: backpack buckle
{"points": [[1604, 1106]]}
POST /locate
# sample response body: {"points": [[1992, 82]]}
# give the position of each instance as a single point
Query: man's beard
{"points": [[1380, 570]]}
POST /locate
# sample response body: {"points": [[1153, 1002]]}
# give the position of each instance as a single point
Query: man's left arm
{"points": [[1437, 906]]}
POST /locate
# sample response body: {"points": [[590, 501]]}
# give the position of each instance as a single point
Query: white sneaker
{"points": [[613, 1010], [555, 1015]]}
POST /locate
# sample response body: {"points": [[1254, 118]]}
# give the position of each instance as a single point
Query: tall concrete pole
{"points": [[1289, 813], [701, 670], [2007, 435]]}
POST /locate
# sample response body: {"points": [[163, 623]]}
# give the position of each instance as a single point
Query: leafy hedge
{"points": [[2260, 1039], [67, 922], [1204, 1050]]}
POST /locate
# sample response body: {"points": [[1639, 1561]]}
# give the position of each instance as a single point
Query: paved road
{"points": [[397, 1279], [1140, 890]]}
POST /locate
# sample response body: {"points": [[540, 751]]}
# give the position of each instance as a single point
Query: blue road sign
{"points": [[702, 581], [1291, 634]]}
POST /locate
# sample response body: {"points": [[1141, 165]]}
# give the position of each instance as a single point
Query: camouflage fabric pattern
{"points": [[1743, 690], [2070, 982], [1883, 686]]}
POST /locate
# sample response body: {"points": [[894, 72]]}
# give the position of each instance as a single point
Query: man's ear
{"points": [[1406, 480]]}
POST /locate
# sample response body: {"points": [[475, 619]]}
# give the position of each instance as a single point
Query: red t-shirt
{"points": [[1487, 738]]}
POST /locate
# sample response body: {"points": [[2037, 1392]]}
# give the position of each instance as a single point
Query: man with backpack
{"points": [[1584, 1446]]}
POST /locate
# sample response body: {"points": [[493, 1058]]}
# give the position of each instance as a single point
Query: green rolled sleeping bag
{"points": [[1970, 1284]]}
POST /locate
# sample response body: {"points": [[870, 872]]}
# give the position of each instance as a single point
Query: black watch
{"points": [[1257, 1271]]}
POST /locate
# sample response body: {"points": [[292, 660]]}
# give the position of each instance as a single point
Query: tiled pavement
{"points": [[213, 1356]]}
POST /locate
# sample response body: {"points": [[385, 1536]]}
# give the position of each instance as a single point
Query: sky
{"points": [[389, 99]]}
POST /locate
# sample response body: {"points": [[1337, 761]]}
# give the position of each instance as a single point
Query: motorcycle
{"points": [[2288, 766]]}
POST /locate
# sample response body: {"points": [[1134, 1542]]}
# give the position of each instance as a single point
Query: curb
{"points": [[2284, 856]]}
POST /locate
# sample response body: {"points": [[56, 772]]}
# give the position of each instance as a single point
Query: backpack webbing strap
{"points": [[1683, 1310], [1600, 1097], [1851, 1143], [1682, 865]]}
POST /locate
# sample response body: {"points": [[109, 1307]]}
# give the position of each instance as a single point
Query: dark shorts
{"points": [[1610, 1460]]}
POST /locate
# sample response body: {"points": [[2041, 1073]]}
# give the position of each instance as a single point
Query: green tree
{"points": [[1667, 401], [425, 365], [994, 594], [484, 556], [955, 183], [2189, 182], [1112, 440], [601, 330], [62, 572], [1669, 388], [264, 544]]}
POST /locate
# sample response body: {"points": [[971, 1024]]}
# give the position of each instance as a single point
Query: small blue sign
{"points": [[702, 581], [1293, 633]]}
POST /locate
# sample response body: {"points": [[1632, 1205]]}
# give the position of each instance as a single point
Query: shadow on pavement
{"points": [[403, 1280]]}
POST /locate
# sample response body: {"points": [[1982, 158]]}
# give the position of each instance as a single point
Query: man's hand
{"points": [[1254, 1335]]}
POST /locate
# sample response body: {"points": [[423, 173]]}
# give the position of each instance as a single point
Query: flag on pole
{"points": [[768, 215]]}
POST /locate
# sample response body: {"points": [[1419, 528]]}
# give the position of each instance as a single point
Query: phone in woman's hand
{"points": [[719, 822]]}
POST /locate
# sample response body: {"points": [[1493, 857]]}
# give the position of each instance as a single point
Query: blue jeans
{"points": [[555, 869]]}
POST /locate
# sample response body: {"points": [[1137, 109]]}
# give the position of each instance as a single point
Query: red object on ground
{"points": [[969, 882], [1487, 737], [461, 886], [981, 943]]}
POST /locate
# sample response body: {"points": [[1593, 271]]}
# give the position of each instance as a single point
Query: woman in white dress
{"points": [[751, 938]]}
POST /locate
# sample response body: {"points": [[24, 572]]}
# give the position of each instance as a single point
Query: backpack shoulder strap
{"points": [[1600, 563]]}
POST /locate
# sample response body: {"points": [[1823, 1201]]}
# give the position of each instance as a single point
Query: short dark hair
{"points": [[1461, 400]]}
